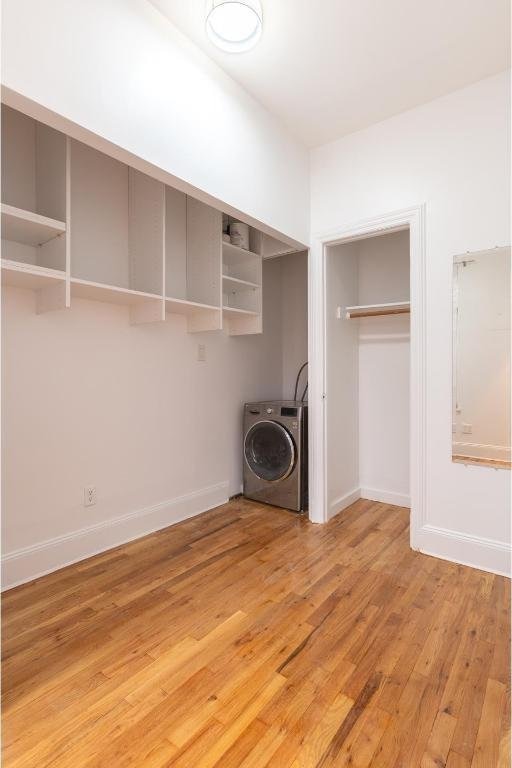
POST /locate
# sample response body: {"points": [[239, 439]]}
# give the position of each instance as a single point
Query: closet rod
{"points": [[354, 313], [376, 310]]}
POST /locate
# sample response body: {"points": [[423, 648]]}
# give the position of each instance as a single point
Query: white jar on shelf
{"points": [[239, 233]]}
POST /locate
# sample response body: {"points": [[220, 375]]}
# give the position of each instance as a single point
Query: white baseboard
{"points": [[341, 503], [465, 549], [44, 557], [386, 497]]}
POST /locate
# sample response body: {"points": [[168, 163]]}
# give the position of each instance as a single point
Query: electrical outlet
{"points": [[201, 353], [89, 496], [467, 429]]}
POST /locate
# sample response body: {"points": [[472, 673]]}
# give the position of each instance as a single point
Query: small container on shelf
{"points": [[239, 234]]}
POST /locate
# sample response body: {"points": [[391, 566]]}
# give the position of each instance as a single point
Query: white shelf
{"points": [[235, 284], [111, 294], [272, 247], [235, 312], [235, 254], [28, 227], [376, 310], [22, 275], [187, 308]]}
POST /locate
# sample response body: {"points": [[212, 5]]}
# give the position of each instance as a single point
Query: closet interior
{"points": [[77, 223], [368, 340]]}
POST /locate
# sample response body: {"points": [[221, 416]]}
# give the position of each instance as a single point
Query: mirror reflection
{"points": [[481, 358]]}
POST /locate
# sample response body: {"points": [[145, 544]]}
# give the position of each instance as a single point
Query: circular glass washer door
{"points": [[269, 451]]}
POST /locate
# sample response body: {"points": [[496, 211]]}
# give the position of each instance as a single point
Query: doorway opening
{"points": [[368, 420], [367, 306]]}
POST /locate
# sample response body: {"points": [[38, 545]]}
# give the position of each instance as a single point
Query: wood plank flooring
{"points": [[248, 637]]}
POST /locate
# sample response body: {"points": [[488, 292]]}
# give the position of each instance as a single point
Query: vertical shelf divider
{"points": [[68, 221], [146, 225], [204, 279], [53, 297], [163, 258]]}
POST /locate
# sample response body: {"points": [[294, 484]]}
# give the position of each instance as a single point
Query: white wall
{"points": [[294, 312], [453, 155], [89, 399], [120, 70]]}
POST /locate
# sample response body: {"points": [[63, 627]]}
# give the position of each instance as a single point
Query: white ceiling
{"points": [[326, 68]]}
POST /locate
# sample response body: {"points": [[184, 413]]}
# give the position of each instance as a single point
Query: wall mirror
{"points": [[481, 358]]}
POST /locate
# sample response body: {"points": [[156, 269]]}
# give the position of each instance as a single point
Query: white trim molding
{"points": [[466, 549], [370, 494], [338, 505], [414, 219], [386, 497], [28, 563]]}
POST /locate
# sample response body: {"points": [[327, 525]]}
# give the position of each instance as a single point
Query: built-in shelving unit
{"points": [[79, 224], [242, 285], [34, 208]]}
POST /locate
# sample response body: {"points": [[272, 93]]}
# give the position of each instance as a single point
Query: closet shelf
{"points": [[187, 308], [27, 227], [235, 254], [235, 284], [111, 294], [378, 310], [235, 312], [22, 275]]}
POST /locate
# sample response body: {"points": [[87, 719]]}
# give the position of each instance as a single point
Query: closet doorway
{"points": [[367, 371], [367, 377]]}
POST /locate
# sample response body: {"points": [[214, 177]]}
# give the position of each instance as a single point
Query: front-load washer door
{"points": [[269, 451]]}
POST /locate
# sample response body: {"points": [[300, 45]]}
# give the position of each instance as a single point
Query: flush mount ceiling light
{"points": [[234, 26]]}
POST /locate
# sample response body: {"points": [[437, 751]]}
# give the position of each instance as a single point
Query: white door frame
{"points": [[414, 219]]}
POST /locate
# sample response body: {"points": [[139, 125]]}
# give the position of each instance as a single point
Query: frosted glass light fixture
{"points": [[233, 25]]}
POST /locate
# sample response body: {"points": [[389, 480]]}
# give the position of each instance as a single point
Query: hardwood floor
{"points": [[248, 637]]}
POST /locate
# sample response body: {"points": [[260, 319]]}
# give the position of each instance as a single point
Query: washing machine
{"points": [[275, 450]]}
